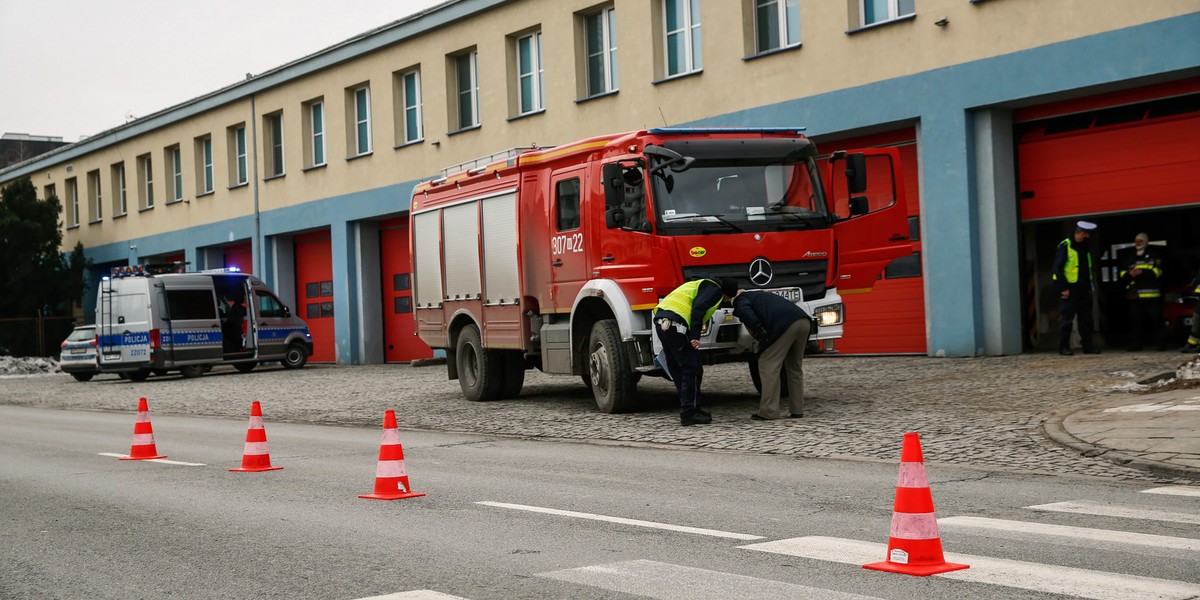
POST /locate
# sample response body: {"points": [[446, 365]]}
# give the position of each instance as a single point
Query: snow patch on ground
{"points": [[12, 366]]}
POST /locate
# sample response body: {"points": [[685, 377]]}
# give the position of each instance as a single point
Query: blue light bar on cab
{"points": [[702, 130]]}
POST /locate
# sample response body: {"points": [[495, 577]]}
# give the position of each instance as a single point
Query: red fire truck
{"points": [[554, 258]]}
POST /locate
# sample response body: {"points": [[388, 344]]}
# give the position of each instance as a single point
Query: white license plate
{"points": [[791, 293], [78, 350], [112, 357]]}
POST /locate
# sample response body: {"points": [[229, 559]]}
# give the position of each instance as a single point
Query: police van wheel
{"points": [[513, 375], [480, 371], [612, 379], [138, 375], [191, 371], [83, 376], [754, 377], [245, 367], [295, 358], [159, 372]]}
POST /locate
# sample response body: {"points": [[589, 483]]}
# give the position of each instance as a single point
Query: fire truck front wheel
{"points": [[480, 371], [612, 379]]}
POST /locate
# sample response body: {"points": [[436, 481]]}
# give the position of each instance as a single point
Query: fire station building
{"points": [[1015, 117]]}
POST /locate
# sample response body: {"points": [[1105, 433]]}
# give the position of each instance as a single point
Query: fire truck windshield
{"points": [[742, 194]]}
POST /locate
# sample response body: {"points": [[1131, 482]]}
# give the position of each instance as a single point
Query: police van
{"points": [[155, 318]]}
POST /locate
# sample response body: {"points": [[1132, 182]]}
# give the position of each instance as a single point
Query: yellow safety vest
{"points": [[1071, 269], [680, 301]]}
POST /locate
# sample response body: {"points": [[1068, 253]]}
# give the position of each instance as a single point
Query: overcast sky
{"points": [[74, 68]]}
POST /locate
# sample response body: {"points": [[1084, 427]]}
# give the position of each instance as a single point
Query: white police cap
{"points": [[1085, 226]]}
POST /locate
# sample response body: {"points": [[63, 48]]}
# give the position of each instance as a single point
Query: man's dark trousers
{"points": [[687, 370], [1076, 306]]}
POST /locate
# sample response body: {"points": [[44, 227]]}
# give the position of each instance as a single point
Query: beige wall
{"points": [[828, 60]]}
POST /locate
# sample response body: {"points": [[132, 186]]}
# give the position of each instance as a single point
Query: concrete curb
{"points": [[1053, 429]]}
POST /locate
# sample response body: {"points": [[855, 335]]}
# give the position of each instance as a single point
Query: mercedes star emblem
{"points": [[761, 272]]}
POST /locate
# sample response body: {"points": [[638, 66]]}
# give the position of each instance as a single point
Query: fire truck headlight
{"points": [[829, 315]]}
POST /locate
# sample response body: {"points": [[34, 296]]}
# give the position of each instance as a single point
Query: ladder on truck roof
{"points": [[480, 163]]}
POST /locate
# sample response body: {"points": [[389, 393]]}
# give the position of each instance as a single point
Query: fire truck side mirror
{"points": [[856, 173], [614, 186]]}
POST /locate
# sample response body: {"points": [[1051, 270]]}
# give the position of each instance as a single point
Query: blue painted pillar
{"points": [[345, 291]]}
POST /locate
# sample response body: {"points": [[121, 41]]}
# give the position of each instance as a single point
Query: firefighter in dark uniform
{"points": [[1074, 277], [1193, 341], [1141, 271], [678, 320]]}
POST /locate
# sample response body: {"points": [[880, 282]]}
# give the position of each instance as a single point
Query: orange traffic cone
{"points": [[391, 478], [914, 547], [143, 436], [255, 456]]}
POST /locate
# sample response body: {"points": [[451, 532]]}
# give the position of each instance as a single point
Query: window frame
{"points": [[362, 122], [95, 197], [241, 170], [784, 9], [692, 37], [273, 145], [120, 190], [175, 182], [146, 170], [893, 12], [472, 92], [73, 201], [315, 111], [205, 178], [411, 105], [607, 18], [536, 74]]}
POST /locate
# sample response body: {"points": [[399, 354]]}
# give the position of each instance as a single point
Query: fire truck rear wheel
{"points": [[480, 371], [608, 366], [513, 376], [191, 371]]}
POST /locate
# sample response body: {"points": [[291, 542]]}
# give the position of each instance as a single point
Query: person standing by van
{"points": [[231, 324], [1074, 276]]}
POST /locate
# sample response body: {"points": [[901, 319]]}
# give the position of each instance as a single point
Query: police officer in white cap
{"points": [[1074, 277]]}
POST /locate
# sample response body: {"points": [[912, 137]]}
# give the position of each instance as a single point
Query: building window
{"points": [[174, 160], [313, 123], [120, 198], [776, 24], [273, 140], [407, 87], [530, 88], [600, 46], [681, 36], [360, 99], [878, 11], [72, 206], [466, 87], [204, 165], [49, 192], [95, 197], [237, 155], [146, 179]]}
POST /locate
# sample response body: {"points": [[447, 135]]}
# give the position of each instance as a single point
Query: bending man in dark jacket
{"points": [[782, 330]]}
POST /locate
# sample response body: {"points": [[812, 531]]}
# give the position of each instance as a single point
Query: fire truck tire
{"points": [[138, 375], [612, 380], [783, 382], [513, 376], [82, 376], [480, 371], [295, 357], [245, 367], [191, 371]]}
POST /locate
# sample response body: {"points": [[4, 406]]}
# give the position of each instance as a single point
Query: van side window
{"points": [[185, 305], [268, 305]]}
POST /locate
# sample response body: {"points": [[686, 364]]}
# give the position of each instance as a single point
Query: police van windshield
{"points": [[739, 194]]}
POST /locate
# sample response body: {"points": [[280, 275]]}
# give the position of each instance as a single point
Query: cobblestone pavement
{"points": [[977, 412]]}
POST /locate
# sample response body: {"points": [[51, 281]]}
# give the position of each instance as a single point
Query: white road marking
{"points": [[415, 595], [1069, 581], [157, 460], [1117, 510], [1002, 526], [624, 521], [663, 581], [1175, 490]]}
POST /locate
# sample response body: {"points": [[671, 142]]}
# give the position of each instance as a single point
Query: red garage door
{"points": [[239, 256], [314, 292], [891, 318], [399, 342], [1113, 153]]}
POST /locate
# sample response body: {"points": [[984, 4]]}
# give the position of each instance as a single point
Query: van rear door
{"points": [[123, 319], [193, 331]]}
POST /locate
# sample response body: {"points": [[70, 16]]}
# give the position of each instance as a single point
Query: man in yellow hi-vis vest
{"points": [[678, 320], [1074, 277]]}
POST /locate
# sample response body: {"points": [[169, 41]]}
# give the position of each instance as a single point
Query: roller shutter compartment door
{"points": [[399, 342], [891, 318], [314, 292]]}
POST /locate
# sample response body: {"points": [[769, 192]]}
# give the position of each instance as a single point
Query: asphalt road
{"points": [[80, 524]]}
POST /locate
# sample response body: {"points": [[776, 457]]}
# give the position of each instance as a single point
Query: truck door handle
{"points": [[557, 262], [608, 258], [897, 238]]}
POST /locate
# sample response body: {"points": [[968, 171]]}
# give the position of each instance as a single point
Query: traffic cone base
{"points": [[391, 476], [914, 547], [143, 447], [255, 457]]}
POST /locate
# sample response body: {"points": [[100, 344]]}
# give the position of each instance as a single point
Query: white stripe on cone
{"points": [[143, 439], [390, 468], [255, 449], [912, 475], [914, 526]]}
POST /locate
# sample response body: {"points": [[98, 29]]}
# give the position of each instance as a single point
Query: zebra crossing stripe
{"points": [[624, 521], [1053, 579], [1002, 527], [1116, 510], [664, 581], [1175, 490], [416, 595]]}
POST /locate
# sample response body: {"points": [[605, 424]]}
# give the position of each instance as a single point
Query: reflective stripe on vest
{"points": [[680, 301]]}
